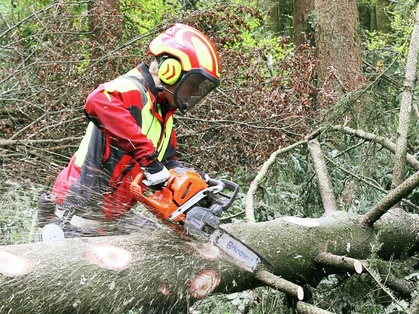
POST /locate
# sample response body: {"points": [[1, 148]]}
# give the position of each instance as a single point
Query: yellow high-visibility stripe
{"points": [[180, 39], [152, 128], [166, 139], [121, 84], [125, 83], [84, 146]]}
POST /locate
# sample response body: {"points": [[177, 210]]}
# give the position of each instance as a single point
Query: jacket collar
{"points": [[148, 78]]}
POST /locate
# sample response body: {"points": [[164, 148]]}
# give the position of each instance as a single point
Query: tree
{"points": [[338, 45], [279, 13], [303, 9]]}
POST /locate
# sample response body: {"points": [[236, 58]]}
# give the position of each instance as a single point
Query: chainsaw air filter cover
{"points": [[184, 184]]}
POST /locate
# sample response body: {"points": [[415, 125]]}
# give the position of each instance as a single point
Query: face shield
{"points": [[194, 86]]}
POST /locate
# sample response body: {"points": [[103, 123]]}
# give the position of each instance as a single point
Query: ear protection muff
{"points": [[170, 71]]}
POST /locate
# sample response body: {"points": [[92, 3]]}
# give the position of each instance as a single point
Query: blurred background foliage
{"points": [[53, 53]]}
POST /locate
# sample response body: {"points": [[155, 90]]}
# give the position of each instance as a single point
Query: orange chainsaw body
{"points": [[180, 187]]}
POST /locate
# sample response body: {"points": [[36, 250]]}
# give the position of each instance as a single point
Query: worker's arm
{"points": [[112, 116]]}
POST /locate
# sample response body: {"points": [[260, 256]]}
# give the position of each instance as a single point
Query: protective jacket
{"points": [[129, 126]]}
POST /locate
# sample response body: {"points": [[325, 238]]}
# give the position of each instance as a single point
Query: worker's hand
{"points": [[155, 173]]}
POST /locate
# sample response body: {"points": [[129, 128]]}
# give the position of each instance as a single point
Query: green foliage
{"points": [[18, 209], [257, 301]]}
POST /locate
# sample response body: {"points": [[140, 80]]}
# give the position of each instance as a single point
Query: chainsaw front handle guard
{"points": [[231, 187]]}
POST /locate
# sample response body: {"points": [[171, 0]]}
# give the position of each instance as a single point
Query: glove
{"points": [[155, 173]]}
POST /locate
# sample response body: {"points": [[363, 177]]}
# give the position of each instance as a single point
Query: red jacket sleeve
{"points": [[111, 115]]}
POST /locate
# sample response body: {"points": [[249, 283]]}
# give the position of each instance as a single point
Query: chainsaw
{"points": [[190, 204]]}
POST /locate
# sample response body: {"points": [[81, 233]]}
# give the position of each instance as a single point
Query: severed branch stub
{"points": [[306, 308], [341, 262], [204, 283], [281, 284]]}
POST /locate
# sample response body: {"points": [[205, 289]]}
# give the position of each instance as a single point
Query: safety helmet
{"points": [[189, 58]]}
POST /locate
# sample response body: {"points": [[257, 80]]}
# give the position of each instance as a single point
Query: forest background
{"points": [[280, 83]]}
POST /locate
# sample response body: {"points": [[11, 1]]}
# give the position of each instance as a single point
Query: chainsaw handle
{"points": [[217, 185], [222, 185]]}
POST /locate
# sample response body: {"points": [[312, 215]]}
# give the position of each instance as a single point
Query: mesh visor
{"points": [[192, 88]]}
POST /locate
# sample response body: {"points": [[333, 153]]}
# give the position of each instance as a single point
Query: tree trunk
{"points": [[161, 272], [279, 14], [338, 45], [383, 23], [302, 28], [275, 17]]}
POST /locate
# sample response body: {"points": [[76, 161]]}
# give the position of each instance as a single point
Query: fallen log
{"points": [[161, 272]]}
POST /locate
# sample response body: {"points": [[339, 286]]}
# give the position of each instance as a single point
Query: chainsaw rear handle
{"points": [[136, 189]]}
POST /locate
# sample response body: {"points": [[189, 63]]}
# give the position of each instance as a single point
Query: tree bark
{"points": [[160, 271], [406, 106], [302, 11], [323, 180], [338, 45]]}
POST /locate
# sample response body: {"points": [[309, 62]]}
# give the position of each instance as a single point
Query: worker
{"points": [[130, 130]]}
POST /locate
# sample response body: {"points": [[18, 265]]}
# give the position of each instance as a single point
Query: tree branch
{"points": [[325, 185], [368, 181], [341, 262], [391, 199], [385, 142], [377, 279], [406, 106], [281, 284], [306, 308], [250, 215]]}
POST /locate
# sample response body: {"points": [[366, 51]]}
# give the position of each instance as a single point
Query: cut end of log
{"points": [[207, 251], [108, 256], [204, 283], [306, 222], [300, 293], [12, 265], [163, 289], [358, 267]]}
